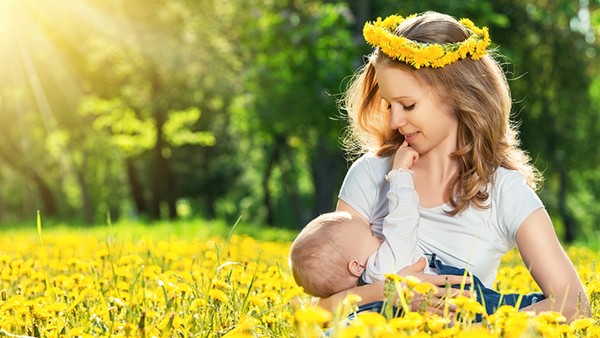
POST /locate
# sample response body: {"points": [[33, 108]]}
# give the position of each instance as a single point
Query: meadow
{"points": [[200, 279]]}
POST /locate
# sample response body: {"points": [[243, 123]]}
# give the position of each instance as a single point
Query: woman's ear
{"points": [[355, 268]]}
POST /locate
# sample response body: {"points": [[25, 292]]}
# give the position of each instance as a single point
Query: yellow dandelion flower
{"points": [[218, 295], [447, 332], [393, 277], [412, 281], [312, 314], [582, 323], [410, 321], [594, 331], [371, 319], [353, 331], [217, 284], [564, 330], [351, 299], [551, 317], [475, 332], [426, 288], [198, 303], [269, 318], [515, 325], [472, 306], [237, 334], [380, 34], [437, 323]]}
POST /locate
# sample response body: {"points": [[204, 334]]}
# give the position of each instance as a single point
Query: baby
{"points": [[335, 252]]}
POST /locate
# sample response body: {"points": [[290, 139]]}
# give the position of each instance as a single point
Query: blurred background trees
{"points": [[221, 109]]}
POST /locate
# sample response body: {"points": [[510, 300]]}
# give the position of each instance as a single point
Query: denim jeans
{"points": [[491, 299]]}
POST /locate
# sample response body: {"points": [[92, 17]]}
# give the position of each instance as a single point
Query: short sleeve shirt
{"points": [[475, 239]]}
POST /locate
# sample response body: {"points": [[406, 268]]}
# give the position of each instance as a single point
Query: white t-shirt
{"points": [[475, 239]]}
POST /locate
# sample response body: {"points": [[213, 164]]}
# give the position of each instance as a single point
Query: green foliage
{"points": [[177, 129], [129, 133], [230, 106]]}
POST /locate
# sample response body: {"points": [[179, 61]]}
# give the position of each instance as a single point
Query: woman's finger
{"points": [[415, 268]]}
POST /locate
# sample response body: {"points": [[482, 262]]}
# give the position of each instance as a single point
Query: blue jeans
{"points": [[486, 296]]}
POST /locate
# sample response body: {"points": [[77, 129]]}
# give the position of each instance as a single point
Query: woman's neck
{"points": [[432, 174]]}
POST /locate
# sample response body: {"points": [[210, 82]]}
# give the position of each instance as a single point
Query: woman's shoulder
{"points": [[372, 163], [504, 175], [508, 182]]}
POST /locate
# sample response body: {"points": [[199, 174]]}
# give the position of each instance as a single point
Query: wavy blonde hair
{"points": [[479, 95]]}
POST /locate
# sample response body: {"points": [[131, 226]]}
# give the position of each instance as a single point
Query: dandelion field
{"points": [[105, 283]]}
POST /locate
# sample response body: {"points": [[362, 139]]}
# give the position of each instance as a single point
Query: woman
{"points": [[432, 83]]}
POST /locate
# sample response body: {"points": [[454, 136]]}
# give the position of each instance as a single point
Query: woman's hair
{"points": [[318, 259], [479, 95]]}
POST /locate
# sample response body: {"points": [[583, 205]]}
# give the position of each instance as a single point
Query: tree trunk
{"points": [[327, 167], [135, 187], [272, 160], [158, 172], [88, 214], [171, 194], [163, 180], [563, 192], [49, 207]]}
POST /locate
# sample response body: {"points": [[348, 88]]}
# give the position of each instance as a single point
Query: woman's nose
{"points": [[397, 119]]}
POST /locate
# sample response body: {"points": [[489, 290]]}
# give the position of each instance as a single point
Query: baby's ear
{"points": [[355, 268]]}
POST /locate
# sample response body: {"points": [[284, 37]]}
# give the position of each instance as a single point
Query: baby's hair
{"points": [[317, 258]]}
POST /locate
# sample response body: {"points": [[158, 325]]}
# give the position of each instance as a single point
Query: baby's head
{"points": [[330, 253]]}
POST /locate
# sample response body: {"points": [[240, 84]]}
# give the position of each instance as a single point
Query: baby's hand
{"points": [[405, 157]]}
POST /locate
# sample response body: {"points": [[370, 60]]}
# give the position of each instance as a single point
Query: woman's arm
{"points": [[374, 292], [551, 268], [368, 293]]}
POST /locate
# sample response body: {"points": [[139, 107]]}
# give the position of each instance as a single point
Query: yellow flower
{"points": [[312, 314], [467, 306], [218, 295], [351, 299], [475, 332], [221, 285], [551, 317], [447, 332], [412, 281], [393, 277], [410, 321], [426, 288], [582, 323], [437, 323], [371, 319], [380, 34], [353, 331], [516, 324]]}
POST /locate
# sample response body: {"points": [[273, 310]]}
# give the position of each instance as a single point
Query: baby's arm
{"points": [[400, 226]]}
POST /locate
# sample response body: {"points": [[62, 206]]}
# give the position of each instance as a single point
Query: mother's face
{"points": [[427, 122]]}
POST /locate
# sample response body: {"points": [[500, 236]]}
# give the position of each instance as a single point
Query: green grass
{"points": [[131, 229]]}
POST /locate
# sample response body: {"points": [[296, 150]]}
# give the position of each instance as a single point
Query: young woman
{"points": [[432, 82]]}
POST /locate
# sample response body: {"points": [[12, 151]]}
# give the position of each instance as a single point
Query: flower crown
{"points": [[421, 54]]}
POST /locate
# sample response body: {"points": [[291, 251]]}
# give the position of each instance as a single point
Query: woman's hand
{"points": [[435, 303]]}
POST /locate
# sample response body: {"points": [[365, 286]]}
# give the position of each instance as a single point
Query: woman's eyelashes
{"points": [[405, 107], [409, 107]]}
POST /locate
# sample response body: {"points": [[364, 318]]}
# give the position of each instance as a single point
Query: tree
{"points": [[552, 72], [296, 55]]}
